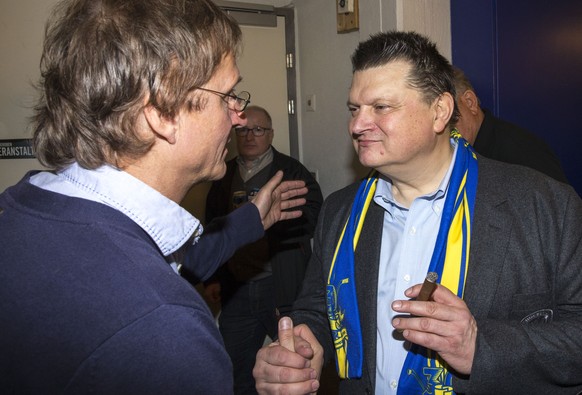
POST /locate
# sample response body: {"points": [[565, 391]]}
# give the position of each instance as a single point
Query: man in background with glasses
{"points": [[260, 282]]}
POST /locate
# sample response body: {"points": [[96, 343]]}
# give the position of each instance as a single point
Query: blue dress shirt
{"points": [[165, 221], [408, 240]]}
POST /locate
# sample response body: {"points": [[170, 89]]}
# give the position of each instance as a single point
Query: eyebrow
{"points": [[238, 81]]}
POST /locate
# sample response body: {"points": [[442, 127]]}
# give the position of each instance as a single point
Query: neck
{"points": [[478, 122], [248, 161], [160, 176], [422, 180]]}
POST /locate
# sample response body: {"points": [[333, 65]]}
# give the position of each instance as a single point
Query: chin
{"points": [[367, 161], [218, 172]]}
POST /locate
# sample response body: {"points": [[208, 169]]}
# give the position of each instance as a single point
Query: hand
{"points": [[444, 325], [276, 196], [212, 292], [291, 365]]}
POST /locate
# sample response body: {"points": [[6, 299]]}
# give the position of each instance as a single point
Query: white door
{"points": [[263, 69]]}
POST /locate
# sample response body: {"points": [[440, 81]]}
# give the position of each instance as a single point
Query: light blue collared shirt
{"points": [[247, 172], [408, 241], [168, 224]]}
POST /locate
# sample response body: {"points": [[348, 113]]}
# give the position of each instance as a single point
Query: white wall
{"points": [[21, 34], [325, 70]]}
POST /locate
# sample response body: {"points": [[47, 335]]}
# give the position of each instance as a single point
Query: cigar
{"points": [[428, 287]]}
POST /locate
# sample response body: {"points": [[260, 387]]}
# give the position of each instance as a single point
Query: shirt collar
{"points": [[248, 171], [166, 222], [385, 199], [265, 157]]}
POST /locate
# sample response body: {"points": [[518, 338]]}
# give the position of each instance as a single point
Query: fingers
{"points": [[286, 337], [274, 181], [441, 294], [285, 215], [290, 203], [279, 369], [276, 197], [292, 188], [454, 341], [285, 190], [288, 193], [445, 306], [444, 325]]}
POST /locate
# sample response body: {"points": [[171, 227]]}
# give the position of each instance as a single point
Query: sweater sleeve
{"points": [[220, 240]]}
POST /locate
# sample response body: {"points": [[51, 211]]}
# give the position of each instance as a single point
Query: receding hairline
{"points": [[261, 110]]}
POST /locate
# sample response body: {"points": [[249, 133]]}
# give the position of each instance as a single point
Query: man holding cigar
{"points": [[504, 240]]}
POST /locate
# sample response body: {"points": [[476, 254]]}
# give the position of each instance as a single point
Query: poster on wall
{"points": [[16, 149]]}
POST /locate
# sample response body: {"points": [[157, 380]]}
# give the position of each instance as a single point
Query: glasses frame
{"points": [[258, 131], [232, 99]]}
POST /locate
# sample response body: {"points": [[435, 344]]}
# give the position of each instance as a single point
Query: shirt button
{"points": [[412, 231], [393, 384], [407, 278]]}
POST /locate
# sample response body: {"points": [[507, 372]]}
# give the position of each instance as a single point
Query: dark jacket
{"points": [[503, 141], [289, 241], [523, 283]]}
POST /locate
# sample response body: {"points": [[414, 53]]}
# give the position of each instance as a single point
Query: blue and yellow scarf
{"points": [[423, 372]]}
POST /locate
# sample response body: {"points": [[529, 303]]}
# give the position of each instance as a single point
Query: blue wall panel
{"points": [[525, 60]]}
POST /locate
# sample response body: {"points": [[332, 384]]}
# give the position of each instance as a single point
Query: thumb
{"points": [[276, 179], [286, 338], [272, 185]]}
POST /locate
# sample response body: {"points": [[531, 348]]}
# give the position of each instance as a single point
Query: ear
{"points": [[444, 107], [162, 126], [271, 136], [471, 101]]}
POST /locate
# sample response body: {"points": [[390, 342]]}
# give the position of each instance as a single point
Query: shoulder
{"points": [[285, 160], [340, 201], [509, 134], [339, 196], [519, 184], [292, 167]]}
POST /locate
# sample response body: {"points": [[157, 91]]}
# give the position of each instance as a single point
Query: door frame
{"points": [[266, 15]]}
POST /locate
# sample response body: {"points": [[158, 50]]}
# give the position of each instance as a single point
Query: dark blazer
{"points": [[506, 142], [524, 285], [289, 241]]}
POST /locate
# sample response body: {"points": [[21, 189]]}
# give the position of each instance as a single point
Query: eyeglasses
{"points": [[257, 131], [235, 102]]}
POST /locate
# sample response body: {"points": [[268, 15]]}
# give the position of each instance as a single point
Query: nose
{"points": [[237, 118], [249, 135], [359, 123]]}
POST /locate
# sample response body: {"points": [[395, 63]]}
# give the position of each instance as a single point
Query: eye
{"points": [[353, 110], [381, 107]]}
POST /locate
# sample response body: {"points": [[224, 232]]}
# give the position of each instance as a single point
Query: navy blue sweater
{"points": [[89, 305]]}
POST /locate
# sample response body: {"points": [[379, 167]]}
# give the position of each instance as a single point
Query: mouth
{"points": [[365, 143]]}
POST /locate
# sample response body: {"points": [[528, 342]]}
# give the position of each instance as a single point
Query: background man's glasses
{"points": [[257, 131], [236, 102]]}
